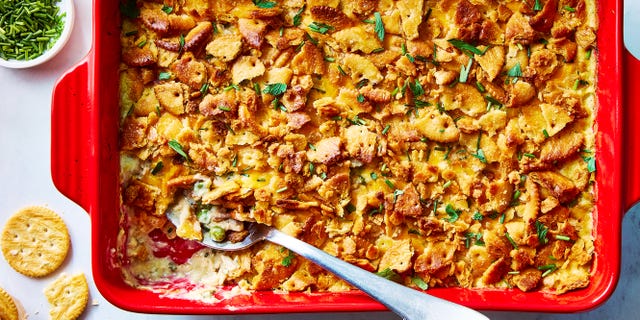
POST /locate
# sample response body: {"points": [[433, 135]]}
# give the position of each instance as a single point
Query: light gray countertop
{"points": [[25, 97]]}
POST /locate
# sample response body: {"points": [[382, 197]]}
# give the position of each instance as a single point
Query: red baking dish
{"points": [[85, 168]]}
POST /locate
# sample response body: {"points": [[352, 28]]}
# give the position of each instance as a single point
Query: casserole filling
{"points": [[436, 143]]}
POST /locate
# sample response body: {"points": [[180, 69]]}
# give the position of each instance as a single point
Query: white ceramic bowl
{"points": [[66, 6]]}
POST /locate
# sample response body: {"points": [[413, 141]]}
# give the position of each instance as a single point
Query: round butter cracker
{"points": [[67, 296], [35, 241], [8, 309]]}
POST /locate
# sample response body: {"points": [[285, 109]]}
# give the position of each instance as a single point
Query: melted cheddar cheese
{"points": [[440, 143]]}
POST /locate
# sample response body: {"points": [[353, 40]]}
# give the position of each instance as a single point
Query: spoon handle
{"points": [[408, 303]]}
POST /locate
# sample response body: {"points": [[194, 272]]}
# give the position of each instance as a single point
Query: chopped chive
{"points": [[453, 213], [374, 176], [562, 237], [389, 183], [537, 6], [379, 27], [386, 129], [224, 108], [204, 88], [341, 70], [283, 189], [312, 147], [264, 4], [419, 283], [177, 147], [321, 28], [167, 9], [157, 168], [297, 19], [513, 243]]}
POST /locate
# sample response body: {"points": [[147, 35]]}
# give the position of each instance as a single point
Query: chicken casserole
{"points": [[436, 143]]}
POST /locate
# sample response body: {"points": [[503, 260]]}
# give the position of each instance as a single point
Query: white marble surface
{"points": [[25, 97]]}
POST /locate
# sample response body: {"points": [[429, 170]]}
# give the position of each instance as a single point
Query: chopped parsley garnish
{"points": [[374, 176], [264, 4], [177, 147], [570, 9], [379, 27], [360, 98], [452, 212], [275, 89], [224, 108], [477, 216], [286, 261]]}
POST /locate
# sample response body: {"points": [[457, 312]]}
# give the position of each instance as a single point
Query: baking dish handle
{"points": [[631, 107], [70, 134]]}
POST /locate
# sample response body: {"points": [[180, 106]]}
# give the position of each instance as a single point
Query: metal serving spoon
{"points": [[408, 303]]}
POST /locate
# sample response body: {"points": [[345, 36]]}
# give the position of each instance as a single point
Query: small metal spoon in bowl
{"points": [[408, 303]]}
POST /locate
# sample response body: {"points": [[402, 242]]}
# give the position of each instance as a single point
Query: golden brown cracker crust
{"points": [[8, 309], [35, 241], [68, 296]]}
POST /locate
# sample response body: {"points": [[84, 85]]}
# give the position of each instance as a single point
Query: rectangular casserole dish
{"points": [[85, 167]]}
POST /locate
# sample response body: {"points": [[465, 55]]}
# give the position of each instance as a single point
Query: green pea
{"points": [[217, 234]]}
